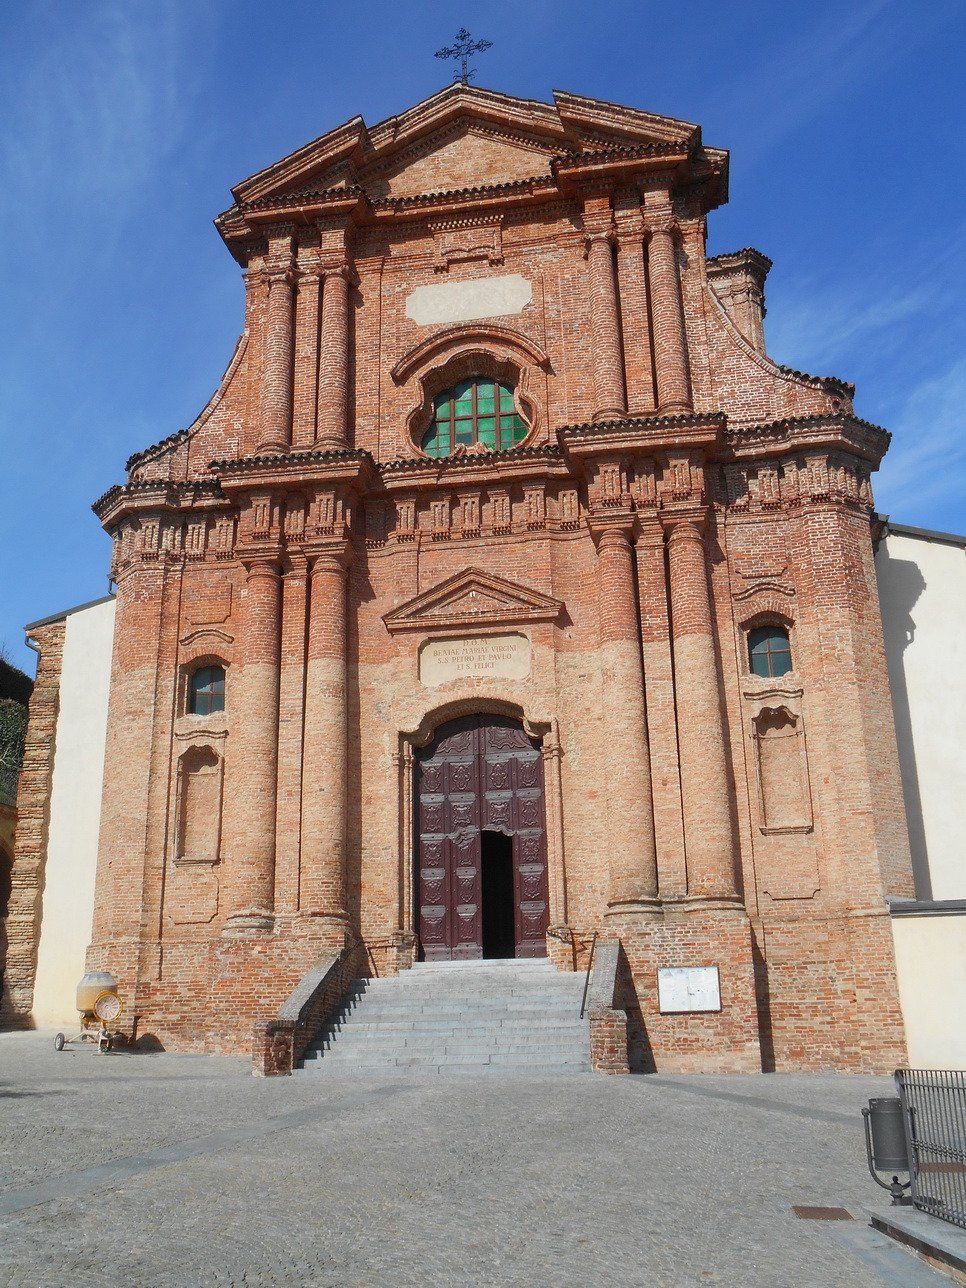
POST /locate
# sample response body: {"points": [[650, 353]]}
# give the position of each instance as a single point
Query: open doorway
{"points": [[496, 860]]}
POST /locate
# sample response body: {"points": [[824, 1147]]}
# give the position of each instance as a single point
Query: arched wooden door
{"points": [[479, 773]]}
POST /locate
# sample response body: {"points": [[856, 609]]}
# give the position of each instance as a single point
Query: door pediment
{"points": [[472, 598]]}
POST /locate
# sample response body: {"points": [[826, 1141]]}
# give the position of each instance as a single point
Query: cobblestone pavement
{"points": [[156, 1170]]}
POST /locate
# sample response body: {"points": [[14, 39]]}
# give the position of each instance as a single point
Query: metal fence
{"points": [[934, 1114]]}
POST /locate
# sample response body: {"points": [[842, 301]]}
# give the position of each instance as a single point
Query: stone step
{"points": [[458, 1016], [405, 1029], [451, 1041]]}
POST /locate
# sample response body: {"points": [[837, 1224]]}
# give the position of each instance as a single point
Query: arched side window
{"points": [[474, 411], [206, 691], [769, 651]]}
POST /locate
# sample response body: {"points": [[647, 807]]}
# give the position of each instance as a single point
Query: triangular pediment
{"points": [[463, 136], [472, 598]]}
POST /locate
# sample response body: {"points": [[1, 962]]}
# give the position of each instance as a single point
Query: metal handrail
{"points": [[934, 1118], [590, 962]]}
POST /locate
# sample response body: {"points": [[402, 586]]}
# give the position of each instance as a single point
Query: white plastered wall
{"points": [[931, 967], [922, 589], [75, 809]]}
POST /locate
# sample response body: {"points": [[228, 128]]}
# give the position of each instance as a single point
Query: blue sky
{"points": [[123, 125]]}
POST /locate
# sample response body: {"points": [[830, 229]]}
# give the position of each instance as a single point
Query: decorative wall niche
{"points": [[191, 895], [781, 765], [199, 806]]}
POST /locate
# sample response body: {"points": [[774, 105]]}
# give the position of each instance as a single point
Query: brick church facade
{"points": [[504, 594]]}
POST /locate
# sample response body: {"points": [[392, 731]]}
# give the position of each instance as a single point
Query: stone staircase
{"points": [[465, 1017]]}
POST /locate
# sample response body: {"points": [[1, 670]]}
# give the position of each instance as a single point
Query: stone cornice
{"points": [[801, 433], [643, 434], [450, 470], [155, 494], [179, 436], [283, 469], [828, 384]]}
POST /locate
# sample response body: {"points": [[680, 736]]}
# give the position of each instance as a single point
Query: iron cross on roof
{"points": [[465, 45]]}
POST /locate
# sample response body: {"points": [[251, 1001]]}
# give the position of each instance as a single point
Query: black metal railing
{"points": [[934, 1116]]}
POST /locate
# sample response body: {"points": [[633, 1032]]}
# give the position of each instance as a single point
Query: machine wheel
{"points": [[59, 1041]]}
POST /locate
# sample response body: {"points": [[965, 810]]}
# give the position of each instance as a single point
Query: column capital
{"points": [[685, 524], [665, 224], [330, 556], [262, 563], [612, 533], [337, 268], [279, 274], [597, 236]]}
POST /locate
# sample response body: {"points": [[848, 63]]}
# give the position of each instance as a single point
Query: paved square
{"points": [[157, 1170]]}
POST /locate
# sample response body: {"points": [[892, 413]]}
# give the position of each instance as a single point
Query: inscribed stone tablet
{"points": [[483, 297], [688, 988], [502, 657]]}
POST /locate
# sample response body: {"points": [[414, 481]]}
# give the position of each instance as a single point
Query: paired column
{"points": [[306, 390], [254, 713], [275, 412], [705, 787], [626, 759], [331, 420], [635, 316], [667, 311], [325, 745], [608, 360]]}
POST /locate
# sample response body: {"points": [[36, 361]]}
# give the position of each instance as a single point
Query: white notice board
{"points": [[688, 988]]}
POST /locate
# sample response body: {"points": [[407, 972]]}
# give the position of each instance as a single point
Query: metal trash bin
{"points": [[885, 1144]]}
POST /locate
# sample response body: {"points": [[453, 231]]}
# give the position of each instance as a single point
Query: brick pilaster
{"points": [[253, 712], [332, 430], [325, 749], [633, 862], [306, 380], [609, 401], [275, 418], [670, 343], [705, 787], [634, 313]]}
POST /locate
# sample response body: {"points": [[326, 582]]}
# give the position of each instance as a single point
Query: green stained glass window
{"points": [[769, 652], [474, 411]]}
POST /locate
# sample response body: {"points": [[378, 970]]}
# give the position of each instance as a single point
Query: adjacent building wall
{"points": [[922, 590], [931, 964], [75, 806], [59, 801]]}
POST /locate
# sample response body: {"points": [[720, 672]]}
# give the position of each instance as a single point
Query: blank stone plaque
{"points": [[688, 988]]}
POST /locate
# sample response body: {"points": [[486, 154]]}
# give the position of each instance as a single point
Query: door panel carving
{"points": [[479, 772]]}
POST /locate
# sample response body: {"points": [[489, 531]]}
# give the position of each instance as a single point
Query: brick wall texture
{"points": [[676, 488]]}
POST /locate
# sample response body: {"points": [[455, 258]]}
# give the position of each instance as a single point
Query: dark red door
{"points": [[479, 773]]}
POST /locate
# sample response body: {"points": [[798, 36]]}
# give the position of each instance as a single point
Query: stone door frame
{"points": [[544, 731]]}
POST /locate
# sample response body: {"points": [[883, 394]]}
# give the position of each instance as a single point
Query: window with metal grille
{"points": [[769, 652], [206, 691], [474, 411]]}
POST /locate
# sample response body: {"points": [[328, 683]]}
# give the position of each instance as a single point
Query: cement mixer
{"points": [[99, 1006]]}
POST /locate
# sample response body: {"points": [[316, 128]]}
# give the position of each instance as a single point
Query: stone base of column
{"points": [[273, 448], [330, 929], [249, 922], [633, 910], [330, 443], [609, 413], [709, 903], [678, 408]]}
